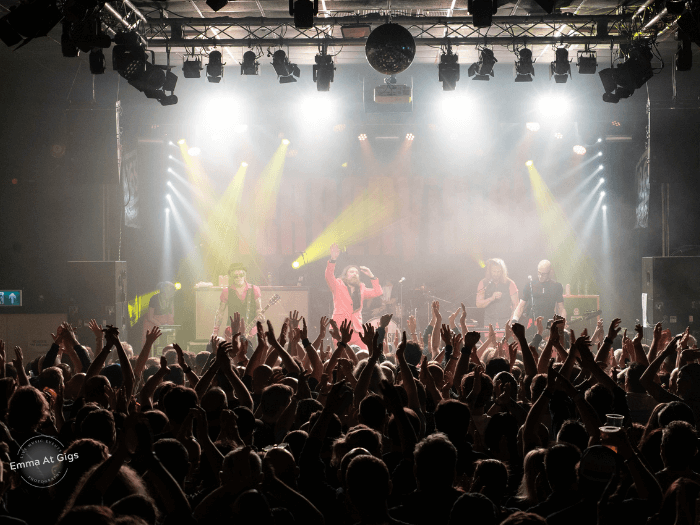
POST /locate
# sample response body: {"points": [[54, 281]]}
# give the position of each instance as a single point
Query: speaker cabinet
{"points": [[97, 290], [671, 292], [207, 302], [673, 146]]}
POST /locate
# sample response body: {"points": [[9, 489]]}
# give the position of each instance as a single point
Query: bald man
{"points": [[547, 295]]}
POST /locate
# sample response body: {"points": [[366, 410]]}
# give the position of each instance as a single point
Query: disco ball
{"points": [[390, 49]]}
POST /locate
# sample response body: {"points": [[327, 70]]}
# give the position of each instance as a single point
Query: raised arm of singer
{"points": [[349, 293]]}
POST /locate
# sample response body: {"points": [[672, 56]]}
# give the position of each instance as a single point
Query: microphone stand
{"points": [[532, 303]]}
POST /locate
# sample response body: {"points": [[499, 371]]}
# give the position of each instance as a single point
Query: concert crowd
{"points": [[433, 426]]}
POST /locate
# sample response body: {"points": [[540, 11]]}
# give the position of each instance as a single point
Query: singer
{"points": [[493, 293], [544, 296]]}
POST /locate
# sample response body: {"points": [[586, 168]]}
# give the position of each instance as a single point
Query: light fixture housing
{"points": [[587, 62], [217, 5], [448, 70], [560, 69], [356, 30], [482, 12], [250, 63], [286, 71], [482, 69], [192, 68], [633, 73], [215, 67], [323, 72], [303, 12], [524, 66]]}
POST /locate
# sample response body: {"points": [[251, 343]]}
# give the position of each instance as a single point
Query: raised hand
{"points": [[456, 344], [519, 330], [492, 333], [385, 319], [335, 251], [614, 328], [346, 331], [401, 349], [367, 272], [683, 343], [283, 332], [658, 327], [471, 339], [96, 329], [446, 334], [334, 331], [539, 325], [509, 330], [294, 319], [180, 355], [323, 324], [235, 322], [411, 324], [513, 351], [260, 334], [164, 364], [367, 337], [18, 360], [304, 331], [436, 311], [152, 334]]}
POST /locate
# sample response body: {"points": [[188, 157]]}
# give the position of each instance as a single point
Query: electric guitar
{"points": [[273, 301]]}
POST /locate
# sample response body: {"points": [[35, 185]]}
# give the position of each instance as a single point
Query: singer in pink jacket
{"points": [[349, 294]]}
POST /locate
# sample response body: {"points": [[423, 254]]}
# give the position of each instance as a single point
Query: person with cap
{"points": [[245, 299], [349, 294]]}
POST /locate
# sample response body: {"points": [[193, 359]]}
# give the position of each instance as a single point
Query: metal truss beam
{"points": [[427, 31]]}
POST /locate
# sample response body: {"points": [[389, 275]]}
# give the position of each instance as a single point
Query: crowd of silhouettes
{"points": [[439, 427]]}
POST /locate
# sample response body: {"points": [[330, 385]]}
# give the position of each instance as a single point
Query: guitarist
{"points": [[241, 297]]}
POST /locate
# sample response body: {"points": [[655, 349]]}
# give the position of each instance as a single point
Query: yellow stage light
{"points": [[528, 163], [244, 164], [285, 142], [178, 286], [181, 142], [296, 265]]}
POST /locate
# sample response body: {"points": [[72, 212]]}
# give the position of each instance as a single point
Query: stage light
{"points": [[194, 151], [215, 67], [167, 210], [533, 126], [250, 63], [323, 72], [684, 55], [409, 136], [524, 68], [605, 208], [181, 142], [355, 30], [192, 68], [362, 136], [97, 62], [285, 142], [558, 136], [553, 107], [244, 164], [587, 63], [560, 68], [448, 70], [169, 183], [579, 150], [286, 71], [216, 5], [167, 196], [482, 12], [602, 194], [600, 153], [675, 7], [296, 265], [303, 12], [633, 73], [601, 181], [528, 163], [178, 286], [484, 67], [600, 140]]}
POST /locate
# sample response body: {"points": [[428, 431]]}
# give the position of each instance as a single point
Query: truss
{"points": [[509, 31]]}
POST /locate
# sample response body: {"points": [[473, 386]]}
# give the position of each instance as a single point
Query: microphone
{"points": [[402, 280]]}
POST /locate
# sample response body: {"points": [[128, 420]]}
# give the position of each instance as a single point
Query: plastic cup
{"points": [[605, 433]]}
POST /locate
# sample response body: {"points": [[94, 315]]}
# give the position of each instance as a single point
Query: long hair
{"points": [[497, 262], [355, 295]]}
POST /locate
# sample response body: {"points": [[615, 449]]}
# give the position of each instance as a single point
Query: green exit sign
{"points": [[10, 298]]}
